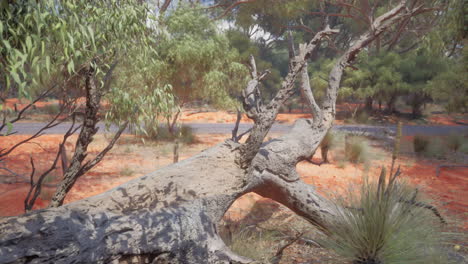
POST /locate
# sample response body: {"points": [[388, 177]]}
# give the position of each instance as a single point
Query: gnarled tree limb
{"points": [[172, 214]]}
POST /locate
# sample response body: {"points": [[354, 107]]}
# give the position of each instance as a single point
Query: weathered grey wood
{"points": [[171, 215]]}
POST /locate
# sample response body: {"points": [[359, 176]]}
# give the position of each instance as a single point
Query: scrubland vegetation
{"points": [[140, 65]]}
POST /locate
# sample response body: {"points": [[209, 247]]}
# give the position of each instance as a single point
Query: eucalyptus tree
{"points": [[193, 61], [199, 62], [172, 215], [57, 45]]}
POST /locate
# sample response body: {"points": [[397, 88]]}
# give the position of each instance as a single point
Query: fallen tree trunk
{"points": [[171, 215]]}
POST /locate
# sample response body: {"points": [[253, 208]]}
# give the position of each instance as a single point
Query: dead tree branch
{"points": [[55, 121], [264, 116], [36, 187], [19, 116]]}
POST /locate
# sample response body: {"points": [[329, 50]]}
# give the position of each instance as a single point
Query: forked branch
{"points": [[265, 115], [379, 25]]}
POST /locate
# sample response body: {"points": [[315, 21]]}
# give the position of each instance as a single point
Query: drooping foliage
{"points": [[53, 44], [198, 60], [46, 43]]}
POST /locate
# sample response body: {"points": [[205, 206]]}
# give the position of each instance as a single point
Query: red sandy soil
{"points": [[21, 103], [192, 116], [198, 116], [130, 159]]}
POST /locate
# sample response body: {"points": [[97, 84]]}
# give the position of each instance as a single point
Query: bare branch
{"points": [[265, 116], [279, 253], [307, 91], [52, 123], [171, 125], [36, 188], [229, 8], [379, 25], [21, 112], [90, 164], [236, 127], [165, 5], [252, 100]]}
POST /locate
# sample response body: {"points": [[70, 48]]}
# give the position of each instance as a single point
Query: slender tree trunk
{"points": [[368, 104], [391, 104], [93, 99], [176, 150]]}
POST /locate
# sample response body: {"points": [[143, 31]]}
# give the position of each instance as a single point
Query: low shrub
{"points": [[46, 194], [185, 134], [436, 149], [355, 149], [420, 143], [51, 109], [362, 118], [455, 142], [126, 172], [381, 224], [464, 148]]}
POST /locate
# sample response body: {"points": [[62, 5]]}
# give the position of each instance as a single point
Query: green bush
{"points": [[327, 143], [185, 134], [355, 149], [464, 148], [126, 172], [455, 142], [51, 109], [420, 143], [379, 224], [436, 149], [362, 118]]}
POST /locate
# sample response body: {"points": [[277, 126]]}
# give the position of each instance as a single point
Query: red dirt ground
{"points": [[448, 191], [197, 116]]}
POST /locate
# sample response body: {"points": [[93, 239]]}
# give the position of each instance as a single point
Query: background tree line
{"points": [[148, 59]]}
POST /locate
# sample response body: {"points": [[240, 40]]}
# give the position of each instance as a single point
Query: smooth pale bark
{"points": [[171, 215]]}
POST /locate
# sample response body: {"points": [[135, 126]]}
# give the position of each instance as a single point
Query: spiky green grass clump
{"points": [[356, 149], [382, 225]]}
